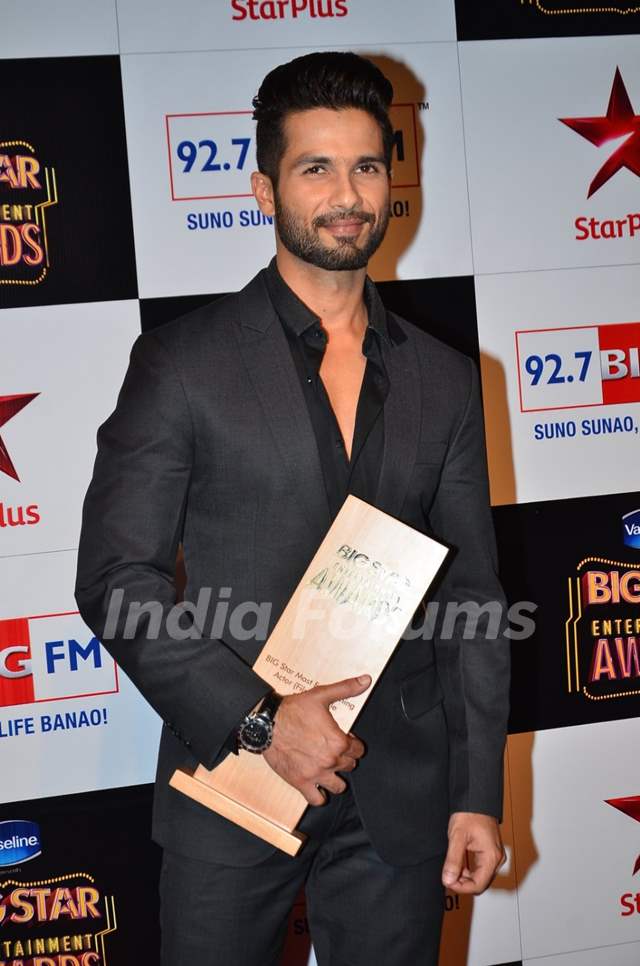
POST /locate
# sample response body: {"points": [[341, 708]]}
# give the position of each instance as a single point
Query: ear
{"points": [[262, 188]]}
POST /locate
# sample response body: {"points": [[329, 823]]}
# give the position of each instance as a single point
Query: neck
{"points": [[336, 297]]}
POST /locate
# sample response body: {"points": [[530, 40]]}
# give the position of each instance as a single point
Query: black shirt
{"points": [[307, 341]]}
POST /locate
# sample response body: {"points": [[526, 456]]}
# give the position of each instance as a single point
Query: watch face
{"points": [[255, 733]]}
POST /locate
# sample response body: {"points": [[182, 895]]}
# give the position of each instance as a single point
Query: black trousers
{"points": [[361, 910]]}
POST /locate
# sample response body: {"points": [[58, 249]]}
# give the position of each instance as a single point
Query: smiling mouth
{"points": [[345, 228]]}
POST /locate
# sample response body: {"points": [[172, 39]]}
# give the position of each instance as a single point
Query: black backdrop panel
{"points": [[445, 307], [541, 546], [155, 312], [65, 117], [499, 19], [98, 841]]}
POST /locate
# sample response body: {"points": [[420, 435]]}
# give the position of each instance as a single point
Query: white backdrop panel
{"points": [[149, 25], [522, 467], [67, 28], [624, 955], [575, 853], [75, 357], [65, 759], [529, 173], [482, 930], [198, 229]]}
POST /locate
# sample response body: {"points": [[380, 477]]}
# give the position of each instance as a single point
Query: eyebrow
{"points": [[316, 159]]}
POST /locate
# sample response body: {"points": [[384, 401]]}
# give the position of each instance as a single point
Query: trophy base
{"points": [[289, 842]]}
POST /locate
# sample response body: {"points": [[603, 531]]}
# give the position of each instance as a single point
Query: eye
{"points": [[369, 167], [314, 169]]}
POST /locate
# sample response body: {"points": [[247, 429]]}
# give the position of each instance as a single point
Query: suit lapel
{"points": [[267, 357], [402, 415]]}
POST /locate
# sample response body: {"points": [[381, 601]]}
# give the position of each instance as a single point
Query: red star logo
{"points": [[620, 120], [9, 406], [631, 807]]}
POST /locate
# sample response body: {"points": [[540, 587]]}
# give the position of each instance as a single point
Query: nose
{"points": [[344, 192]]}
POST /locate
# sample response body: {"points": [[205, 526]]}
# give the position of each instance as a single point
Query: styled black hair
{"points": [[325, 79]]}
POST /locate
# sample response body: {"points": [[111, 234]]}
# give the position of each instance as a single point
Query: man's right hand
{"points": [[308, 747]]}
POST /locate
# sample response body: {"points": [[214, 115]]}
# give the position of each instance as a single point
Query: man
{"points": [[239, 431]]}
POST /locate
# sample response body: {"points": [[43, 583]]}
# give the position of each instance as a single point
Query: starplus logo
{"points": [[630, 806], [14, 516], [283, 9], [620, 121]]}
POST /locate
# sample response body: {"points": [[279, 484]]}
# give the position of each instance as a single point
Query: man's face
{"points": [[332, 198]]}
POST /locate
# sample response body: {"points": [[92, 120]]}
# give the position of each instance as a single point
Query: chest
{"points": [[342, 371]]}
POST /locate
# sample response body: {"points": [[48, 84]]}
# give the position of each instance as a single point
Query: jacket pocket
{"points": [[420, 692]]}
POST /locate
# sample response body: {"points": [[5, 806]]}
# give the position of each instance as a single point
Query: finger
{"points": [[346, 764], [486, 866], [470, 886], [464, 887], [342, 746], [477, 880], [313, 794], [455, 859], [355, 748], [349, 688], [333, 783]]}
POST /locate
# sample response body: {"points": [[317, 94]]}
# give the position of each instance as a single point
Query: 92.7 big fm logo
{"points": [[211, 154], [584, 365], [50, 658]]}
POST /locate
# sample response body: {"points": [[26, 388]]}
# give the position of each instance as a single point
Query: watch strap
{"points": [[270, 704]]}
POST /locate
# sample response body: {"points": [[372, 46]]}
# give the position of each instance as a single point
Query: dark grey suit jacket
{"points": [[210, 444]]}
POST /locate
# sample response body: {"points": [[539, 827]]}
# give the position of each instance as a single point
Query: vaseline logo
{"points": [[631, 529], [19, 842]]}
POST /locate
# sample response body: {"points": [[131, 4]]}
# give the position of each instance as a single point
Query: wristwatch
{"points": [[256, 730]]}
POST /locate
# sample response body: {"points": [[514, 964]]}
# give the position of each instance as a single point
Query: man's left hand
{"points": [[475, 853]]}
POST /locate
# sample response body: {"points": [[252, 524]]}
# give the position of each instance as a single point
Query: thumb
{"points": [[455, 859], [348, 688]]}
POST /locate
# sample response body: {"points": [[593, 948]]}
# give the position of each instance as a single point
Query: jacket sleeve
{"points": [[132, 524], [472, 652]]}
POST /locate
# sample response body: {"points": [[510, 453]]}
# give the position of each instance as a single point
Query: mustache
{"points": [[354, 214]]}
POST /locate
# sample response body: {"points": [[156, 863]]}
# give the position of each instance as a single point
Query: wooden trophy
{"points": [[345, 618]]}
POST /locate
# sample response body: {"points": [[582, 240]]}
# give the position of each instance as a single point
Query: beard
{"points": [[345, 256]]}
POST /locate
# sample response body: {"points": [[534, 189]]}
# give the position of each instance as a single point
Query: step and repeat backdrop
{"points": [[126, 144]]}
